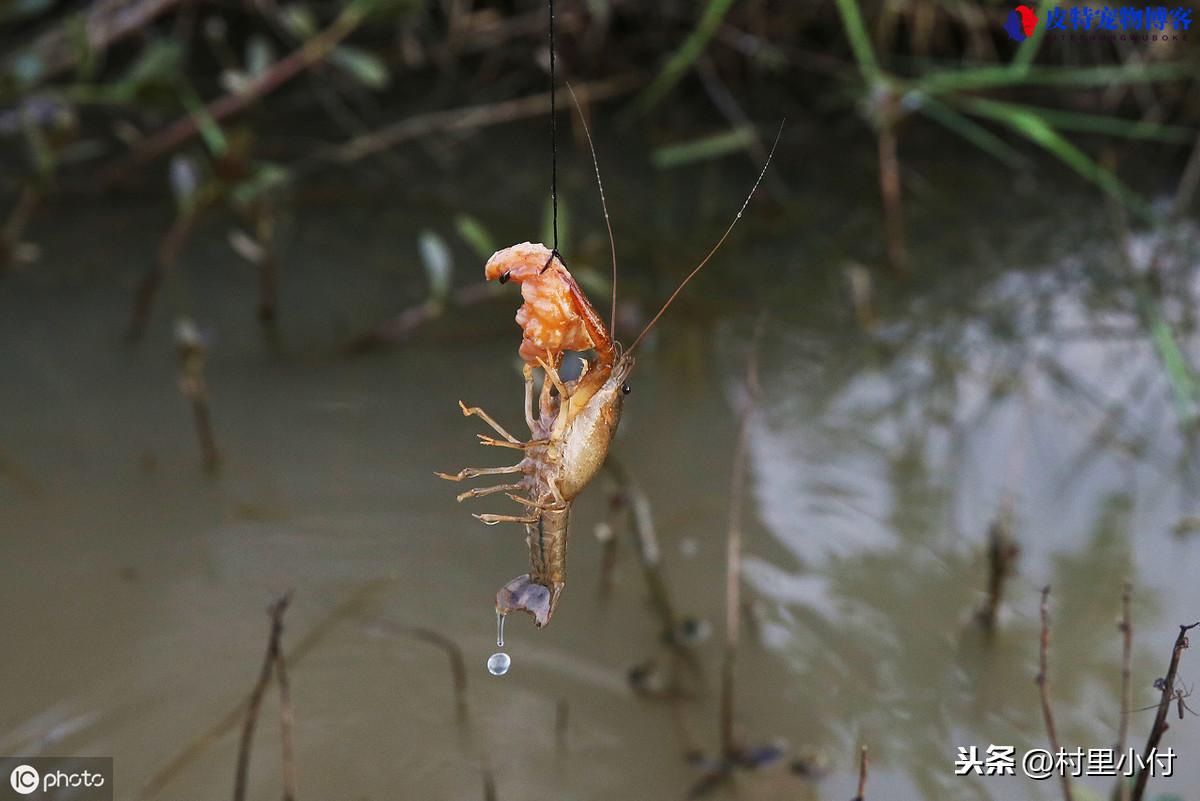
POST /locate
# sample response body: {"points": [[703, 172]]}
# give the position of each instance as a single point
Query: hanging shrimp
{"points": [[575, 420]]}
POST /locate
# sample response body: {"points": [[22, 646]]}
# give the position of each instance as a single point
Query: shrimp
{"points": [[575, 420]]}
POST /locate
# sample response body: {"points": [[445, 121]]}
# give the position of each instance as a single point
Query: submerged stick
{"points": [[733, 553], [286, 720], [193, 355], [641, 522], [606, 534], [163, 777], [458, 672], [165, 263], [1043, 682], [12, 251], [269, 666], [1002, 554], [1164, 707]]}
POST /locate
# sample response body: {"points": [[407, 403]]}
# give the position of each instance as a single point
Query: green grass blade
{"points": [[960, 80], [475, 235], [1037, 130], [703, 149], [683, 58], [974, 133], [1113, 126], [860, 41], [210, 131], [1184, 385]]}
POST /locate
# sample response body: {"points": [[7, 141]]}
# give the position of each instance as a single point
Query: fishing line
{"points": [[553, 140]]}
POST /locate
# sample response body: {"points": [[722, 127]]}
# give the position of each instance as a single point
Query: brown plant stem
{"points": [[469, 118], [890, 190], [863, 766], [165, 263], [269, 666], [1126, 629], [1043, 682], [313, 51], [1164, 707], [104, 23]]}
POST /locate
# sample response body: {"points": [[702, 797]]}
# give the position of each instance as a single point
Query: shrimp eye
{"points": [[504, 277], [626, 389]]}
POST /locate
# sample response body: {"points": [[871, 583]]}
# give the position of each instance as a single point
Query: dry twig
{"points": [[863, 764], [1043, 682], [1164, 707]]}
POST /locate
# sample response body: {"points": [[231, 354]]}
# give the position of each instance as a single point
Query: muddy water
{"points": [[134, 588]]}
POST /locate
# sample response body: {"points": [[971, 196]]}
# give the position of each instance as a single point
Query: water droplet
{"points": [[498, 663], [499, 629]]}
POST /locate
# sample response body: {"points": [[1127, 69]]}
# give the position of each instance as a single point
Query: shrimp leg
{"points": [[473, 472], [484, 439], [539, 505], [555, 379], [491, 520], [480, 413], [527, 407], [479, 492]]}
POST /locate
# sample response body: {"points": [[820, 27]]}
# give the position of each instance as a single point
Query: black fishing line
{"points": [[553, 140]]}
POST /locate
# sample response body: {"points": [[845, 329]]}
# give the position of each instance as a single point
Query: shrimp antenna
{"points": [[612, 242], [715, 247]]}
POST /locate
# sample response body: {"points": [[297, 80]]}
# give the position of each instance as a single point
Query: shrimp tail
{"points": [[537, 591], [526, 595]]}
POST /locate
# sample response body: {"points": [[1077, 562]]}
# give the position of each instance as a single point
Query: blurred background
{"points": [[241, 249]]}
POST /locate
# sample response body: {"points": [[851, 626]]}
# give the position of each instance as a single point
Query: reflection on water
{"points": [[880, 480], [136, 587]]}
